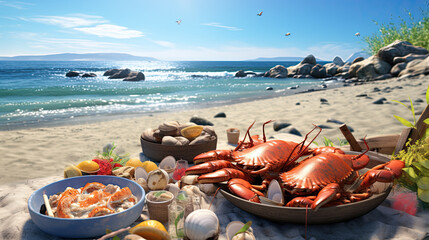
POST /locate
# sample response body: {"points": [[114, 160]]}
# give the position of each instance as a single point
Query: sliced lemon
{"points": [[88, 166], [134, 162], [72, 171], [151, 229], [192, 131], [149, 166]]}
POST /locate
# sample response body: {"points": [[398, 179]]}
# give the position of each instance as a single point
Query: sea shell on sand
{"points": [[168, 163], [201, 224], [202, 139], [233, 227], [157, 179], [169, 128], [148, 134]]}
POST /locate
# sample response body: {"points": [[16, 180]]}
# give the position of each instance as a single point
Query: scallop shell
{"points": [[158, 135], [140, 173], [275, 193], [201, 140], [201, 224], [169, 128], [157, 179], [233, 227], [168, 163], [192, 131], [148, 134]]}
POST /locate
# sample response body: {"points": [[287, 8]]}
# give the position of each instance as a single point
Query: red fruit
{"points": [[117, 165], [105, 167]]}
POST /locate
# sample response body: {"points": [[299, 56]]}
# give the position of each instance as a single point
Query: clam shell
{"points": [[233, 227], [173, 188], [275, 192], [201, 224], [158, 135], [148, 134], [201, 139], [168, 163], [184, 141], [140, 173], [169, 128], [157, 179], [210, 130], [170, 141]]}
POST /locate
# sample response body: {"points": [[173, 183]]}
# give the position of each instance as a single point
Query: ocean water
{"points": [[37, 93]]}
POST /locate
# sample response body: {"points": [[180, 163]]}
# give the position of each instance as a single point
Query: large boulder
{"points": [[331, 68], [398, 68], [111, 72], [416, 67], [310, 59], [85, 75], [369, 68], [358, 59], [240, 73], [123, 73], [278, 71], [338, 61], [408, 58], [304, 69], [399, 49], [72, 74], [318, 71], [134, 76]]}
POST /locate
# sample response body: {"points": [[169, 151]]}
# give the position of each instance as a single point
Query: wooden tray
{"points": [[323, 215], [157, 151]]}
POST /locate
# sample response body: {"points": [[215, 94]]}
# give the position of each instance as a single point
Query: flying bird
{"points": [[357, 34], [259, 14], [287, 34], [178, 22]]}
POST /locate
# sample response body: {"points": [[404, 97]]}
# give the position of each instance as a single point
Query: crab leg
{"points": [[244, 189], [390, 171]]}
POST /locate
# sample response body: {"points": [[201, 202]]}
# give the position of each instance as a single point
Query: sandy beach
{"points": [[42, 152]]}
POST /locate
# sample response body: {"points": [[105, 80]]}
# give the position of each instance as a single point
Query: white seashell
{"points": [[142, 182], [157, 179], [201, 140], [275, 192], [170, 141], [168, 163], [201, 224], [194, 192], [233, 227], [173, 188], [148, 134], [140, 173], [207, 188], [210, 130], [169, 128], [188, 180], [182, 140]]}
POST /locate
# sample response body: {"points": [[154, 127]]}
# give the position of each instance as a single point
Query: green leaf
{"points": [[426, 121], [423, 194], [116, 238], [400, 103], [176, 222], [412, 110], [244, 228], [181, 196], [423, 183], [404, 121], [157, 194], [424, 162], [410, 172]]}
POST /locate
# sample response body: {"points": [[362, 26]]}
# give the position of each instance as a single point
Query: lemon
{"points": [[149, 166], [134, 162], [191, 131], [150, 229], [88, 166], [72, 171]]}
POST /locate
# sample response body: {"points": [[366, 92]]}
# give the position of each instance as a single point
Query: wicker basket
{"points": [[158, 210]]}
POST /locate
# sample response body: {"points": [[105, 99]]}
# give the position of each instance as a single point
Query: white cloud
{"points": [[16, 5], [215, 24], [164, 43], [70, 21], [109, 30]]}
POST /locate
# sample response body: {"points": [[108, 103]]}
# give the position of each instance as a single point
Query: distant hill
{"points": [[357, 54], [283, 59], [80, 57]]}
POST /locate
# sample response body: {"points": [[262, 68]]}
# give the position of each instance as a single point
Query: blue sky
{"points": [[209, 30]]}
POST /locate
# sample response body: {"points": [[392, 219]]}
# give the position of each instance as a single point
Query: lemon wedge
{"points": [[191, 131], [150, 229]]}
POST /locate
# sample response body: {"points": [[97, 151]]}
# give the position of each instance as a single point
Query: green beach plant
{"points": [[416, 158], [414, 31]]}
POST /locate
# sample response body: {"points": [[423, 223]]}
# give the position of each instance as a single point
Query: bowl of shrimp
{"points": [[85, 207]]}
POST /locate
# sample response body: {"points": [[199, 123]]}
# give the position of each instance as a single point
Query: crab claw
{"points": [[327, 194], [300, 202], [244, 189], [389, 171], [213, 155], [208, 167], [222, 175]]}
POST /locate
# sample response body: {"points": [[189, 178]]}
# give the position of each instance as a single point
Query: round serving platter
{"points": [[324, 215]]}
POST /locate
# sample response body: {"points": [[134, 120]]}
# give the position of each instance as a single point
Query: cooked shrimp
{"points": [[100, 211], [119, 197], [90, 187]]}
